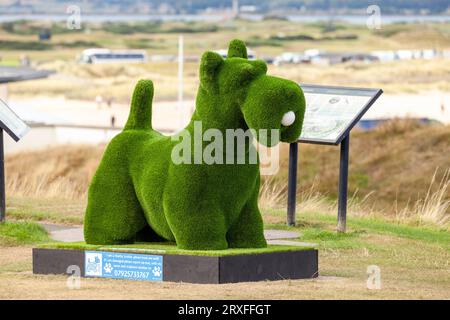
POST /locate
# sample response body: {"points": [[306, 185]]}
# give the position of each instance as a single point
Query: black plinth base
{"points": [[301, 264]]}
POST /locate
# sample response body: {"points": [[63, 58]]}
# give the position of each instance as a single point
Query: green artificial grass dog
{"points": [[140, 193]]}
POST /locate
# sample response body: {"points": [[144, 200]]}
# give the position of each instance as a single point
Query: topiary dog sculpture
{"points": [[138, 193]]}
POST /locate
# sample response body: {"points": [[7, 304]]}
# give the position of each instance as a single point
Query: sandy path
{"points": [[166, 115], [75, 233], [433, 105]]}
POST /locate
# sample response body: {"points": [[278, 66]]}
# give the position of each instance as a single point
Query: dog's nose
{"points": [[288, 118]]}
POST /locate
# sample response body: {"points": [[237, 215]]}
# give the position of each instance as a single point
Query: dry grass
{"points": [[434, 208], [84, 82], [87, 81], [390, 166], [273, 195], [62, 172], [394, 77], [43, 186], [431, 210]]}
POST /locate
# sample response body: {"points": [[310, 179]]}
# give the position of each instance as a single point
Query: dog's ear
{"points": [[237, 49], [260, 65], [209, 65]]}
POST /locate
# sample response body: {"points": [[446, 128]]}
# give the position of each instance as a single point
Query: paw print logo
{"points": [[108, 268], [157, 271]]}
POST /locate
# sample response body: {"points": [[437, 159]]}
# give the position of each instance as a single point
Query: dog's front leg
{"points": [[248, 230], [200, 229], [192, 212]]}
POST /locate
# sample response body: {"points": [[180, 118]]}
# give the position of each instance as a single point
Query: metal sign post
{"points": [[10, 122], [292, 183], [343, 184], [16, 129], [2, 180], [331, 113]]}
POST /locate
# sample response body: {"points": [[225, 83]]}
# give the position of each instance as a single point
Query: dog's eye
{"points": [[288, 118]]}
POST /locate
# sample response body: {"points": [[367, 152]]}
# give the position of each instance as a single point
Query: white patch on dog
{"points": [[288, 118]]}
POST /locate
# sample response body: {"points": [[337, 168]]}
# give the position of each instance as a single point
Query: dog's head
{"points": [[242, 85]]}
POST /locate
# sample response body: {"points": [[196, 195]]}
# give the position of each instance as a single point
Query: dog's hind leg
{"points": [[113, 214]]}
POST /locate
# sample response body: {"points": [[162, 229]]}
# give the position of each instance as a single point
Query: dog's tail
{"points": [[140, 117]]}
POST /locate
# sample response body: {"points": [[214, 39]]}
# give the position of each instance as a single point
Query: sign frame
{"points": [[12, 134], [13, 74], [16, 74], [376, 93], [343, 139]]}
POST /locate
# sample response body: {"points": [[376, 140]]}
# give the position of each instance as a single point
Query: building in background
{"points": [[97, 56]]}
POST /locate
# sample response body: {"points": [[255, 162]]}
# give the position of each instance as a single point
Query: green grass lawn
{"points": [[314, 227], [59, 211], [10, 63], [16, 233], [320, 228]]}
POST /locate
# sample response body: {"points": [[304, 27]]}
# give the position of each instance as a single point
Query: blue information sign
{"points": [[120, 265]]}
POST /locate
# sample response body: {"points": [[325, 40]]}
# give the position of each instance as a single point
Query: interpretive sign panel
{"points": [[11, 123], [331, 112]]}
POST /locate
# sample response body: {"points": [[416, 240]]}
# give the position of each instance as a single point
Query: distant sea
{"points": [[354, 19]]}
